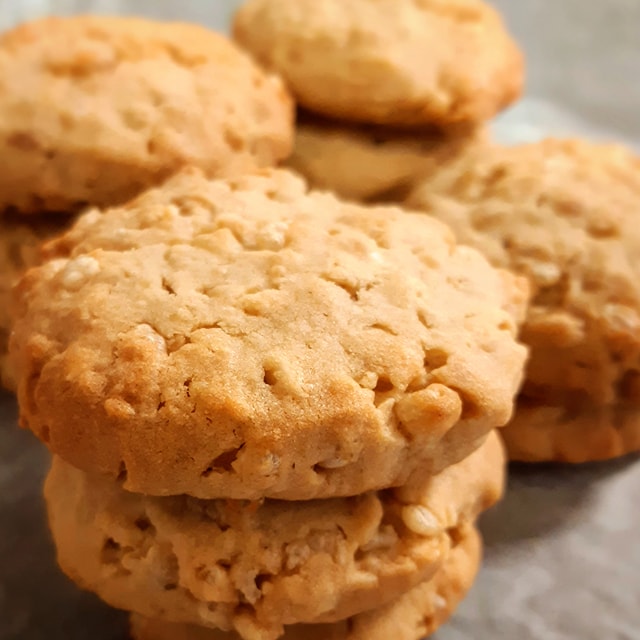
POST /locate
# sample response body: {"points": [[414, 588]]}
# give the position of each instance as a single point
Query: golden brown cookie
{"points": [[371, 164], [254, 567], [19, 250], [96, 109], [539, 433], [397, 62], [563, 213], [245, 338], [413, 616]]}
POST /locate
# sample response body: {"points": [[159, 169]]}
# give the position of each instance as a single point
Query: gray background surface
{"points": [[563, 548]]}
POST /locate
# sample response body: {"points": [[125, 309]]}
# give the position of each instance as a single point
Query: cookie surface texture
{"points": [[400, 62], [254, 567], [564, 214], [95, 109], [369, 164], [245, 338], [413, 616]]}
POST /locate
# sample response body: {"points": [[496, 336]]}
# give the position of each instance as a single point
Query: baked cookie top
{"points": [[402, 62], [95, 109], [244, 338], [372, 163], [415, 614], [563, 213], [255, 567]]}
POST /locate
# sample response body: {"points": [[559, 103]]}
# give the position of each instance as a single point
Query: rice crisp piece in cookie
{"points": [[255, 567], [564, 213], [96, 109], [19, 250], [392, 62], [374, 164], [413, 616], [245, 338]]}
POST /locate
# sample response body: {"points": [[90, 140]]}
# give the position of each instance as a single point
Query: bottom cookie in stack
{"points": [[259, 569], [412, 616]]}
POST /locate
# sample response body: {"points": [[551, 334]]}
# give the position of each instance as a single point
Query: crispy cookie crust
{"points": [[246, 339], [399, 62], [413, 616], [254, 567], [564, 213], [96, 109]]}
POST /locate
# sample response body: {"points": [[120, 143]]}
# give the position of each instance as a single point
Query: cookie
{"points": [[563, 213], [19, 250], [245, 338], [96, 109], [541, 433], [413, 616], [392, 62], [254, 567], [370, 164]]}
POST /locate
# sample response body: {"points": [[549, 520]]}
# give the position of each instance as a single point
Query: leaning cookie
{"points": [[393, 62], [254, 567], [413, 616], [246, 338], [564, 213], [374, 164], [95, 109], [19, 250]]}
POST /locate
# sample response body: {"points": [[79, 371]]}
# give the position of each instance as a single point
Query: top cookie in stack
{"points": [[245, 338], [93, 110], [437, 69]]}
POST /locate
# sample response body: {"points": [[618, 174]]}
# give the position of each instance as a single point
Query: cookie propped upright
{"points": [[245, 338], [563, 213], [387, 62], [93, 110]]}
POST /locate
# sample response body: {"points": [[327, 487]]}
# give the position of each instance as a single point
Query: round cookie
{"points": [[19, 250], [393, 62], [413, 616], [244, 338], [96, 109], [564, 214], [374, 163], [254, 567]]}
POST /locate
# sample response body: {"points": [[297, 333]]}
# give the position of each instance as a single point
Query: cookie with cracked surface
{"points": [[564, 214], [394, 62], [374, 164], [245, 338], [96, 109], [254, 567], [415, 615], [19, 250]]}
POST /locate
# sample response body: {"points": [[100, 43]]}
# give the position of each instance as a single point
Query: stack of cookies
{"points": [[270, 411], [389, 90], [95, 110]]}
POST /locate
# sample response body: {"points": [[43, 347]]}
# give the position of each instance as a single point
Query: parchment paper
{"points": [[563, 549]]}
